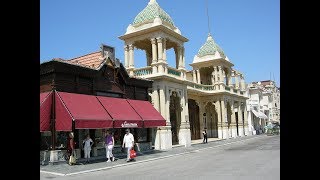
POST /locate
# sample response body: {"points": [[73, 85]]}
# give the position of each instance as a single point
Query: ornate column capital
{"points": [[153, 40], [131, 47], [159, 39], [164, 40]]}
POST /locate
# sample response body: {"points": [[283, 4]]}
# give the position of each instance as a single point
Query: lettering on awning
{"points": [[126, 125]]}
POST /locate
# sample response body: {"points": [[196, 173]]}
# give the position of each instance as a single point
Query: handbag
{"points": [[133, 154], [72, 159]]}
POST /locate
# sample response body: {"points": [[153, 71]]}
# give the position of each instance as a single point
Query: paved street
{"points": [[254, 157]]}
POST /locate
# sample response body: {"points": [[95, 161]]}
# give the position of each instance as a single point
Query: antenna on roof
{"points": [[208, 17], [274, 78], [270, 75]]}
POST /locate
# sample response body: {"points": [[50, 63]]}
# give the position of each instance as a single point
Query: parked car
{"points": [[272, 129]]}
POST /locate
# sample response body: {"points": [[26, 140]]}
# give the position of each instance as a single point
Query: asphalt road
{"points": [[256, 158]]}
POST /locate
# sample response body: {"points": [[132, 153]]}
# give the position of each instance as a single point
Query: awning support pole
{"points": [[53, 119]]}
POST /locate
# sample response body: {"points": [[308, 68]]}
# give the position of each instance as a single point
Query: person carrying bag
{"points": [[71, 146]]}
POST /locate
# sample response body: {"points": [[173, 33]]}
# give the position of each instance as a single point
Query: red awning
{"points": [[85, 110], [121, 112], [43, 96], [151, 117], [63, 117], [45, 111]]}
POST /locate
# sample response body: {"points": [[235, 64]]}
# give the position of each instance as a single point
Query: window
{"points": [[142, 134]]}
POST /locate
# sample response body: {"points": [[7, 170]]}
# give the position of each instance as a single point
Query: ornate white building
{"points": [[263, 105], [210, 96]]}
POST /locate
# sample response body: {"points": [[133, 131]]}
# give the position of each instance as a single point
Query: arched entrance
{"points": [[175, 117], [212, 120], [194, 119]]}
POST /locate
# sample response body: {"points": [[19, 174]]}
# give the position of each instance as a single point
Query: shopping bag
{"points": [[72, 160], [133, 154]]}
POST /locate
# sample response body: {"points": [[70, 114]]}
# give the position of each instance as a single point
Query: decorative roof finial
{"points": [[152, 1]]}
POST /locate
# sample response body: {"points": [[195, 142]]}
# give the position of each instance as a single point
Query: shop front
{"points": [[88, 95]]}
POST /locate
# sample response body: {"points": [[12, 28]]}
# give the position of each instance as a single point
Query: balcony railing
{"points": [[143, 71], [200, 86], [212, 87], [174, 72]]}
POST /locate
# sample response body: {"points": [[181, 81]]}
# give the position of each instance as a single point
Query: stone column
{"points": [[220, 129], [163, 138], [225, 133], [229, 79], [236, 77], [179, 48], [160, 53], [233, 127], [216, 83], [212, 78], [246, 125], [164, 45], [243, 85], [194, 76], [240, 122], [155, 99], [131, 56], [162, 102], [221, 78], [154, 55], [126, 56], [183, 58], [131, 60], [167, 105], [198, 76], [160, 49], [184, 132], [165, 66], [201, 111]]}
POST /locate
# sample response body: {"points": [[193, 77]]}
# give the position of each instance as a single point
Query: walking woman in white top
{"points": [[87, 144]]}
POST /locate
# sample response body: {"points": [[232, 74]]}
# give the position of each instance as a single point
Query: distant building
{"points": [[263, 105]]}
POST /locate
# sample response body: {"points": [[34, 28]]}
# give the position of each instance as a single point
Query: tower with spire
{"points": [[154, 32], [211, 96], [215, 78]]}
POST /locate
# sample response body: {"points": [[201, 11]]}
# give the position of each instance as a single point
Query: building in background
{"points": [[263, 105]]}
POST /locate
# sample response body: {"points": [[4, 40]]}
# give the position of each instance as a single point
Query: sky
{"points": [[248, 31]]}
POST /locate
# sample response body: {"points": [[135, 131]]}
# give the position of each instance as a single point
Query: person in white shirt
{"points": [[87, 144], [128, 142]]}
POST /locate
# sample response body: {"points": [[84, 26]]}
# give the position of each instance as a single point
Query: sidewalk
{"points": [[99, 163]]}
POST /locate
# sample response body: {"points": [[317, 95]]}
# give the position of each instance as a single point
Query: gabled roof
{"points": [[92, 60]]}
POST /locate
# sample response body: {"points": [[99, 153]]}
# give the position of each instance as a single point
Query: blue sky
{"points": [[248, 31]]}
